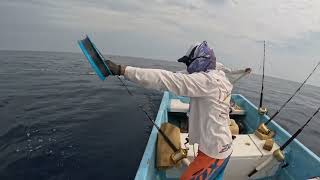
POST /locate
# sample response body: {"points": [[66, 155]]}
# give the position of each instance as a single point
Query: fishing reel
{"points": [[179, 155], [263, 132], [263, 110], [278, 154]]}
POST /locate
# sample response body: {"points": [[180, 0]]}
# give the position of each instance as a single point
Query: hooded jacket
{"points": [[209, 104]]}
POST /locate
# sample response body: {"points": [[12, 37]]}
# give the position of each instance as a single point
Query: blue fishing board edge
{"points": [[92, 63], [95, 48]]}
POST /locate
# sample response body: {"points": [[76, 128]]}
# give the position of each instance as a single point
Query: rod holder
{"points": [[268, 145], [263, 129], [263, 132], [263, 110], [278, 154], [179, 155]]}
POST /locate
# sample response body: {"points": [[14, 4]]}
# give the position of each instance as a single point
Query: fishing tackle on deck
{"points": [[263, 132], [278, 154], [97, 62]]}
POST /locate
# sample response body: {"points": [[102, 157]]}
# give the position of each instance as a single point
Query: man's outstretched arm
{"points": [[192, 85]]}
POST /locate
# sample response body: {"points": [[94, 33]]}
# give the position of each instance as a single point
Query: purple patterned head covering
{"points": [[200, 58]]}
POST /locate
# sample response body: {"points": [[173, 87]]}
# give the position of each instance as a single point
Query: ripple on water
{"points": [[57, 122]]}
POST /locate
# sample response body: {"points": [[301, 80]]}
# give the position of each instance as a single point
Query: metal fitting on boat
{"points": [[263, 129], [263, 136], [179, 155], [268, 145], [278, 154], [263, 132], [263, 110]]}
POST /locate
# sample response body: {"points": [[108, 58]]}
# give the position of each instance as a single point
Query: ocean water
{"points": [[59, 122]]}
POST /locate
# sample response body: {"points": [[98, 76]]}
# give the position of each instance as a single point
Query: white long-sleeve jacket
{"points": [[209, 109]]}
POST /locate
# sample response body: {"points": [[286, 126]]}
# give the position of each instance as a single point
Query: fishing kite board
{"points": [[95, 58]]}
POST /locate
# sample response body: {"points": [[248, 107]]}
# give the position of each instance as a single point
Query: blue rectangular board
{"points": [[95, 58]]}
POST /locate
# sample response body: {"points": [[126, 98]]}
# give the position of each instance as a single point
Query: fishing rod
{"points": [[166, 138], [263, 110], [244, 73], [278, 111], [179, 153], [97, 61], [278, 154], [299, 131], [263, 127]]}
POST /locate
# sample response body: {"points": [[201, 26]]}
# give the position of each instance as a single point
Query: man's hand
{"points": [[116, 69]]}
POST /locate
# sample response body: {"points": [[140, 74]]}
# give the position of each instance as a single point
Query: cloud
{"points": [[165, 28], [273, 20]]}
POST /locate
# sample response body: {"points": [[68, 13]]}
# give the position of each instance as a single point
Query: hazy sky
{"points": [[164, 29]]}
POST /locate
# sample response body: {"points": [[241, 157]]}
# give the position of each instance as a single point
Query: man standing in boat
{"points": [[209, 90]]}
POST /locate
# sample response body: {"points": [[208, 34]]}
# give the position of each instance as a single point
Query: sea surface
{"points": [[59, 121]]}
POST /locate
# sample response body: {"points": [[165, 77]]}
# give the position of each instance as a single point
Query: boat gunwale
{"points": [[144, 163]]}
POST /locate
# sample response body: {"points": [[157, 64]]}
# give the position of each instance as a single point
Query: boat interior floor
{"points": [[247, 153]]}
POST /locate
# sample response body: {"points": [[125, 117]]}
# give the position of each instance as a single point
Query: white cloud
{"points": [[165, 28], [274, 20]]}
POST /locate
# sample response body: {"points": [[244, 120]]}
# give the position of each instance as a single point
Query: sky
{"points": [[164, 29]]}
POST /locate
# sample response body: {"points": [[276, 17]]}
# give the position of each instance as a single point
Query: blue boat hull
{"points": [[302, 163]]}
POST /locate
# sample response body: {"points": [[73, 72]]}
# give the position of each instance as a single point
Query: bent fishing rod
{"points": [[166, 138], [179, 153], [278, 154], [97, 60], [279, 110], [244, 73]]}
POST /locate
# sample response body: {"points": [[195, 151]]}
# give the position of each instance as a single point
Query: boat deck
{"points": [[301, 163]]}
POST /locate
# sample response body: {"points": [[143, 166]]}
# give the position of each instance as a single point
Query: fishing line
{"points": [[278, 111]]}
